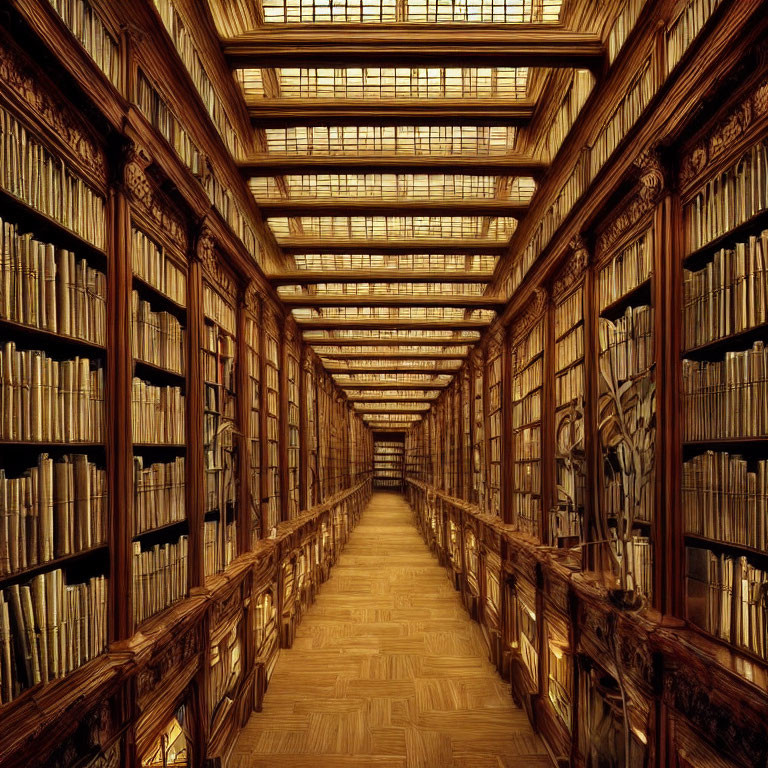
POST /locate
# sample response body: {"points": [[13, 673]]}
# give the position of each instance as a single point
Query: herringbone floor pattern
{"points": [[387, 670]]}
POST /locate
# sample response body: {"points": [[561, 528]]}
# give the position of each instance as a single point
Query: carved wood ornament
{"points": [[574, 268]]}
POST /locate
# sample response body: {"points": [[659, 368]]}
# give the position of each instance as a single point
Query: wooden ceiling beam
{"points": [[308, 277], [467, 246], [289, 113], [379, 412], [367, 341], [390, 356], [346, 369], [386, 386], [410, 44], [382, 323], [395, 399], [404, 300], [394, 207], [491, 165]]}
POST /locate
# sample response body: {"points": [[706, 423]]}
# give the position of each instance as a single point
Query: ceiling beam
{"points": [[386, 386], [308, 277], [410, 44], [470, 247], [405, 300], [434, 369], [381, 323], [367, 341], [395, 399], [491, 165], [288, 113], [390, 356], [378, 411], [393, 207]]}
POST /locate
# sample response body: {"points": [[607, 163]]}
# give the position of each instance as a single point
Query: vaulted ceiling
{"points": [[399, 143]]}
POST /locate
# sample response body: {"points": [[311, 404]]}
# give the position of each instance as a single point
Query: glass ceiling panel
{"points": [[385, 289], [394, 186], [386, 83], [458, 351], [403, 335], [378, 11], [391, 378], [496, 228], [351, 140], [392, 313], [423, 395], [439, 262]]}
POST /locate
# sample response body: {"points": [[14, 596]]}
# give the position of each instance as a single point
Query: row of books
{"points": [[219, 545], [576, 94], [569, 313], [88, 28], [729, 199], [729, 295], [639, 562], [530, 346], [526, 410], [724, 500], [570, 348], [526, 476], [162, 118], [725, 596], [726, 399], [622, 25], [627, 345], [628, 269], [686, 26], [49, 628], [527, 379], [218, 309], [31, 173], [49, 288], [156, 337], [633, 103], [159, 577], [54, 509], [152, 265], [224, 202], [614, 497], [47, 400], [184, 42], [569, 385], [527, 444], [157, 414], [158, 493]]}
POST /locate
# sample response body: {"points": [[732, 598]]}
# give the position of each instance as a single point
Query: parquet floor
{"points": [[387, 670]]}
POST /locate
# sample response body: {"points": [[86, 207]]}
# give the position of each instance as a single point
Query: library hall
{"points": [[383, 384]]}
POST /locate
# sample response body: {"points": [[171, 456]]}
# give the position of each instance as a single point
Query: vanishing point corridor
{"points": [[387, 669]]}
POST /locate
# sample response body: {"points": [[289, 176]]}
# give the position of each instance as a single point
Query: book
{"points": [[159, 576], [158, 414]]}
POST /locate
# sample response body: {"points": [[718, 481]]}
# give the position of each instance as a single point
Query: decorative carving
{"points": [[531, 314], [172, 659], [725, 133], [650, 186], [18, 76], [141, 191], [692, 695], [205, 251], [635, 656], [574, 268], [253, 297]]}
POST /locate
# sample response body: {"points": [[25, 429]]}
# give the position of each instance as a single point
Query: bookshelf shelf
{"points": [[66, 561], [29, 219], [163, 375], [46, 340], [149, 292], [717, 348], [163, 531], [718, 545], [636, 297]]}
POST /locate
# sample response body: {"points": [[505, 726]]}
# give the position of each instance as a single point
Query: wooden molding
{"points": [[405, 300], [307, 277], [380, 323]]}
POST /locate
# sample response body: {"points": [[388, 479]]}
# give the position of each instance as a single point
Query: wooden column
{"points": [[195, 496], [117, 412]]}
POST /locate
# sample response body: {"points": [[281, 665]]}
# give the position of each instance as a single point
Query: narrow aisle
{"points": [[388, 669]]}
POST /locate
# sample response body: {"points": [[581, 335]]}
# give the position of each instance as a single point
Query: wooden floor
{"points": [[388, 670]]}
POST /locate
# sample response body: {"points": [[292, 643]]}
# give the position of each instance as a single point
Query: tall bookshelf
{"points": [[388, 462], [55, 524], [479, 487], [494, 419], [466, 433], [254, 411], [271, 383], [311, 468], [220, 429], [292, 422], [160, 543], [724, 425], [627, 409], [526, 402], [567, 509]]}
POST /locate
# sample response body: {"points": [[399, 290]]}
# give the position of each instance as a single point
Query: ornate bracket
{"points": [[574, 268]]}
